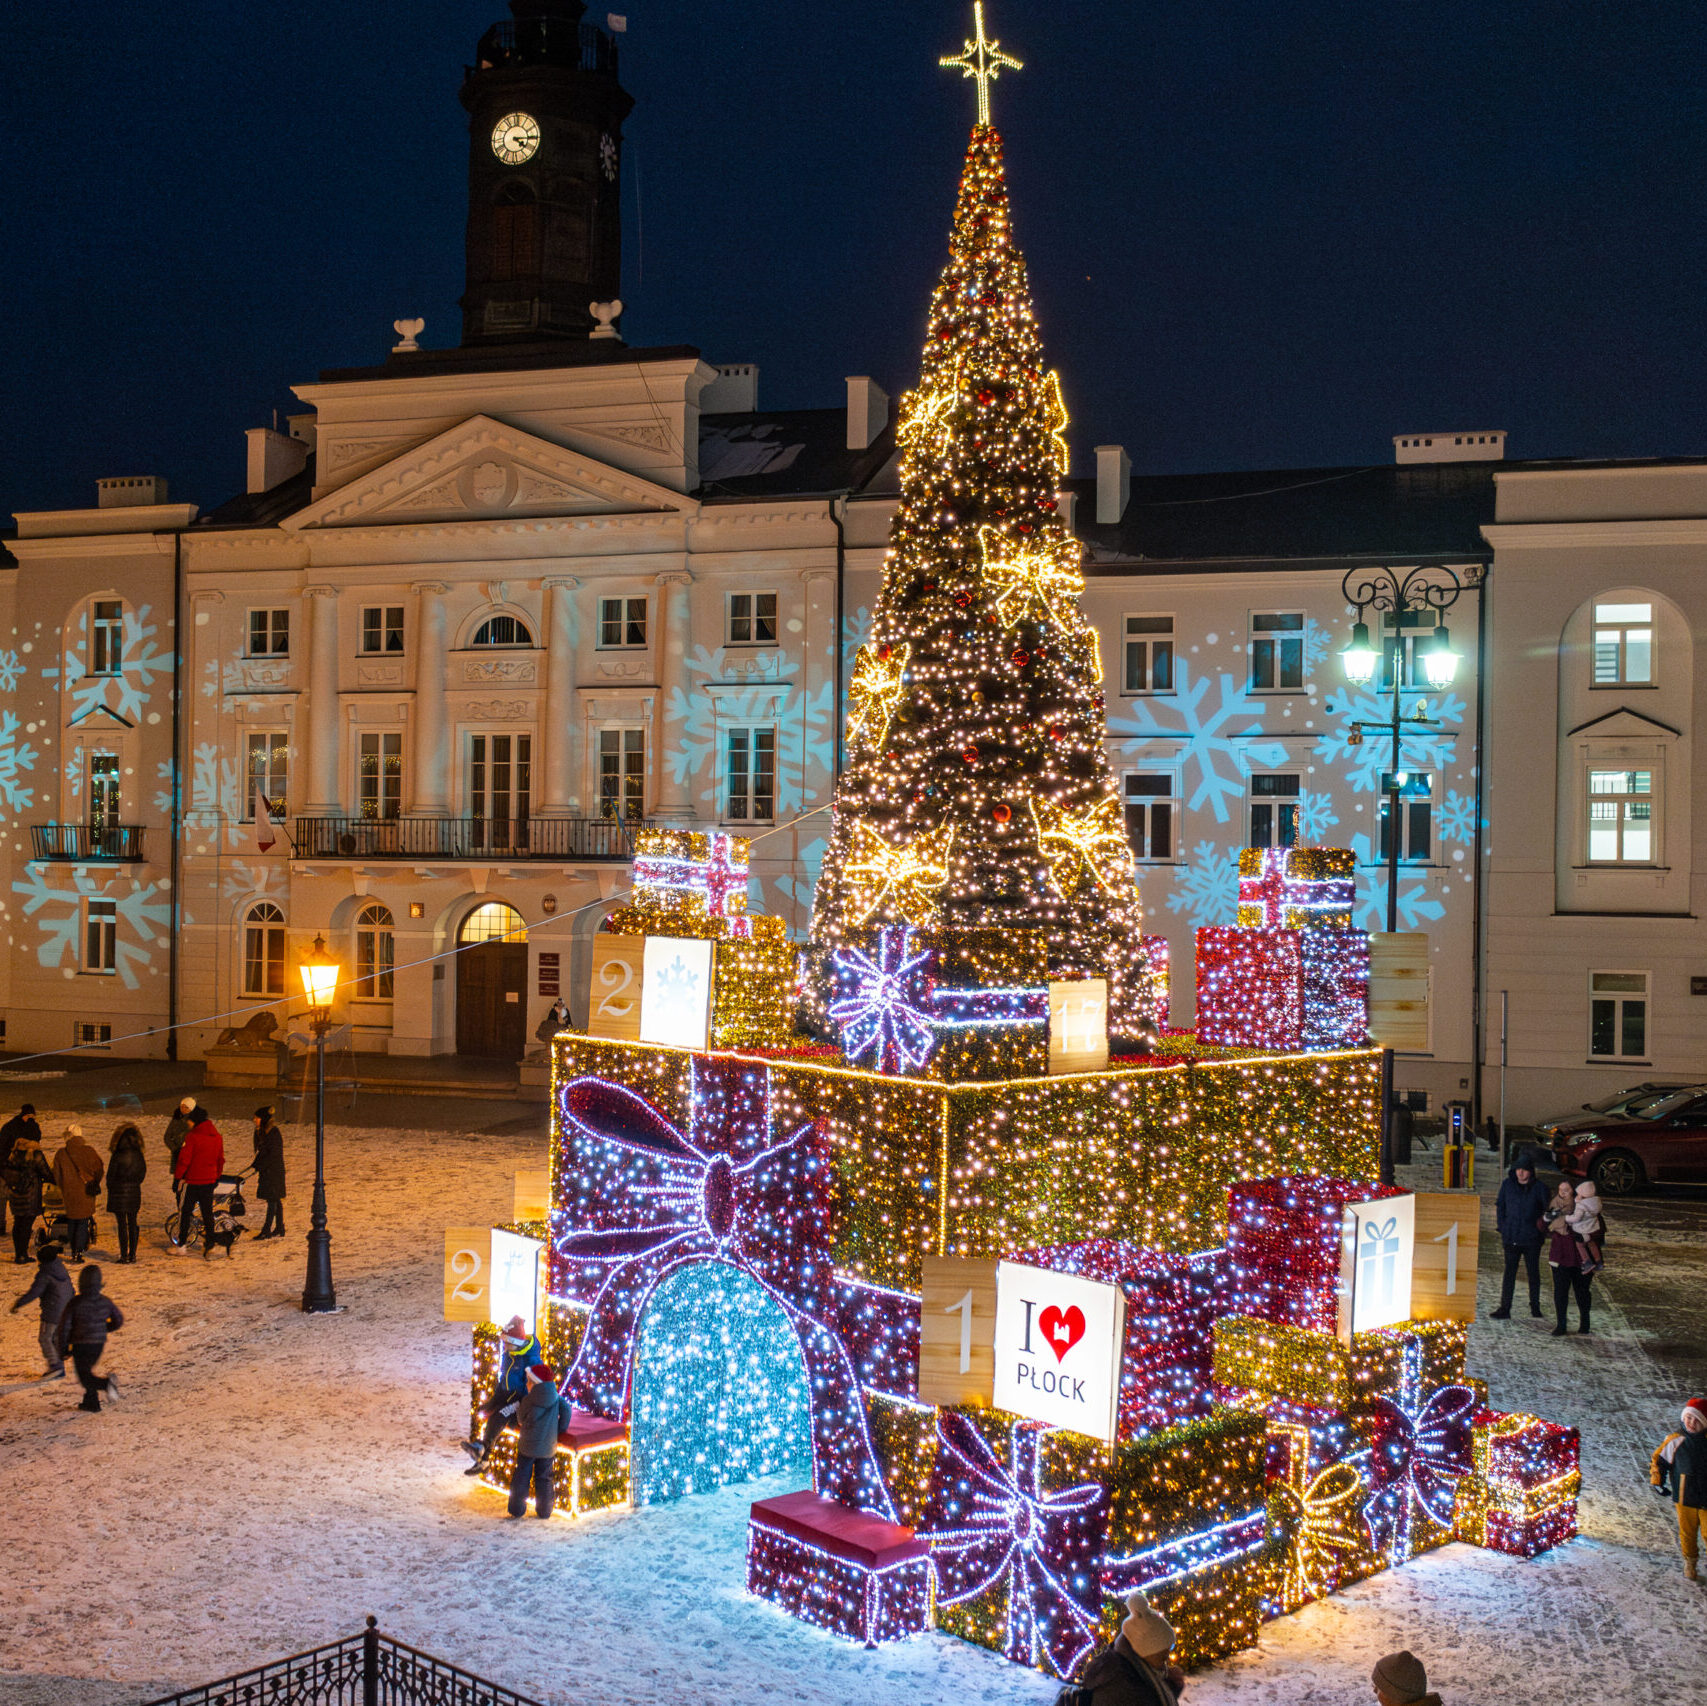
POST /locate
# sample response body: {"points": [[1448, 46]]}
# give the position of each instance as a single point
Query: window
{"points": [[1416, 816], [1274, 811], [622, 772], [101, 935], [1149, 654], [1620, 817], [622, 622], [374, 952], [1277, 652], [92, 1033], [103, 795], [503, 631], [515, 227], [500, 788], [752, 618], [380, 783], [1150, 815], [264, 951], [1618, 1015], [752, 775], [1623, 645], [493, 922], [106, 638], [268, 769], [382, 628], [269, 633]]}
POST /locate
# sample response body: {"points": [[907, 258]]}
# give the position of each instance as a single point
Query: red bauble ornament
{"points": [[963, 599], [1056, 732], [1021, 659], [986, 397], [883, 652], [1001, 813], [969, 754]]}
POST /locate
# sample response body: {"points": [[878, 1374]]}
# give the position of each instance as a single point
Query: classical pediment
{"points": [[1624, 724], [100, 717], [482, 470]]}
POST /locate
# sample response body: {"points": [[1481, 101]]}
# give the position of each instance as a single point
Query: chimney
{"points": [[735, 390], [131, 491], [868, 412], [1114, 483], [273, 458], [1449, 447]]}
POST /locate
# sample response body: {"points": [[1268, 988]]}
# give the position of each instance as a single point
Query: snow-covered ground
{"points": [[271, 1478]]}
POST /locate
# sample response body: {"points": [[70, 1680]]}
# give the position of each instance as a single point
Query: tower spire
{"points": [[983, 60]]}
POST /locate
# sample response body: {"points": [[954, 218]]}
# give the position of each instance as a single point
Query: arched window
{"points": [[493, 922], [503, 631], [374, 952], [264, 951], [515, 232]]}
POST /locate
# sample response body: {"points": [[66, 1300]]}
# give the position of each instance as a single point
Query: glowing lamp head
{"points": [[319, 976], [1440, 661], [1359, 658]]}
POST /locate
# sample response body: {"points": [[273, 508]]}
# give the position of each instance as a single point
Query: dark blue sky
{"points": [[1260, 234]]}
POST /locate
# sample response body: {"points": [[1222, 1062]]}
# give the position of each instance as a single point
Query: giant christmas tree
{"points": [[978, 790]]}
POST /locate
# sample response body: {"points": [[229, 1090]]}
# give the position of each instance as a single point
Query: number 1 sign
{"points": [[957, 1331], [1443, 1276]]}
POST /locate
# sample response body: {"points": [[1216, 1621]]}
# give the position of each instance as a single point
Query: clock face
{"points": [[515, 138]]}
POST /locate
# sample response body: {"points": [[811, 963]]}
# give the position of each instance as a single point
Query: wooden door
{"points": [[491, 1000]]}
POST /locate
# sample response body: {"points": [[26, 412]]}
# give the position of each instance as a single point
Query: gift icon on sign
{"points": [[1379, 1256]]}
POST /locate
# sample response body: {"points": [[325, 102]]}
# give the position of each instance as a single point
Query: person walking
{"points": [[1400, 1680], [200, 1162], [1682, 1460], [544, 1414], [25, 1172], [1564, 1258], [22, 1124], [269, 1172], [52, 1288], [83, 1331], [185, 1118], [1134, 1670], [127, 1167], [1519, 1209], [78, 1171]]}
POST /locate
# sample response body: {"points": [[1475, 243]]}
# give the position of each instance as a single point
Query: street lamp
{"points": [[1405, 601], [319, 984]]}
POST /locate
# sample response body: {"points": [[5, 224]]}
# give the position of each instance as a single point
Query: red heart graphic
{"points": [[1063, 1328]]}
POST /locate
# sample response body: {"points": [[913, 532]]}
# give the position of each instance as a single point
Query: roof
{"points": [[797, 452], [508, 358], [1299, 515], [265, 509]]}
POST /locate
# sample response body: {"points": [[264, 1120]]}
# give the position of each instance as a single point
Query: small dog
{"points": [[225, 1237]]}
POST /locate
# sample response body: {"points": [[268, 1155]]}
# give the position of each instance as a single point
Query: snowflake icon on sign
{"points": [[607, 156]]}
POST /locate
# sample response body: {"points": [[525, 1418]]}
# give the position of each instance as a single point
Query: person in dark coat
{"points": [[1134, 1671], [1519, 1209], [199, 1165], [543, 1415], [78, 1171], [25, 1172], [83, 1331], [21, 1124], [127, 1167], [269, 1171], [1682, 1461], [554, 1021], [52, 1286], [520, 1351], [185, 1118], [1566, 1261]]}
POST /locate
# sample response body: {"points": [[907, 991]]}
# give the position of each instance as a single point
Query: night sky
{"points": [[1261, 234]]}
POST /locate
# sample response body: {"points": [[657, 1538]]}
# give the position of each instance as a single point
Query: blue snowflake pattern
{"points": [[1207, 889], [1364, 765], [1416, 909], [12, 671], [125, 691], [164, 798], [1221, 743], [1317, 641], [1316, 816], [17, 760], [1457, 817]]}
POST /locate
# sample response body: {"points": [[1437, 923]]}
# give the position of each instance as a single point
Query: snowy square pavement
{"points": [[272, 1478]]}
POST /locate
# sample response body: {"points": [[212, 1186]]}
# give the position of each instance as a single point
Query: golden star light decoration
{"points": [[1090, 843], [983, 60], [1047, 579], [903, 879], [875, 692]]}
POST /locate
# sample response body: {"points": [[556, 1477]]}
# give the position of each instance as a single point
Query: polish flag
{"points": [[265, 833]]}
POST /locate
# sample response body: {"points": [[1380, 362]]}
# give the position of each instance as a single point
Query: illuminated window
{"points": [[752, 618], [269, 633], [374, 952], [622, 773], [267, 767], [264, 951], [1149, 654], [1277, 651], [103, 797], [493, 922], [1623, 645], [1620, 817], [1416, 816], [382, 628], [500, 788], [1274, 811], [101, 933], [1151, 813], [106, 638], [622, 623], [503, 631], [380, 782], [750, 769], [1618, 1014]]}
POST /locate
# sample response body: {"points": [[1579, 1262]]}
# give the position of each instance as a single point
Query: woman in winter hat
{"points": [[1682, 1461], [1566, 1261], [270, 1171], [24, 1173], [127, 1167], [1134, 1671]]}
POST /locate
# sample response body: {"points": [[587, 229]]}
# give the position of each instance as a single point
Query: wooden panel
{"points": [[1078, 1025], [613, 1005], [957, 1331], [468, 1272], [1443, 1270], [533, 1193], [1398, 989]]}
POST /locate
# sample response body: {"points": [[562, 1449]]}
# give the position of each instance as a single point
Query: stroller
{"points": [[54, 1226], [229, 1215]]}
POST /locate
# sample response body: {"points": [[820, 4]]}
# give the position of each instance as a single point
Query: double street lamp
{"points": [[1408, 604], [319, 984]]}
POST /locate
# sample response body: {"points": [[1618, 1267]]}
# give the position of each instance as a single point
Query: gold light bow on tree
{"points": [[1091, 842], [1055, 418], [1027, 577], [875, 692], [904, 879], [1318, 1529], [925, 426]]}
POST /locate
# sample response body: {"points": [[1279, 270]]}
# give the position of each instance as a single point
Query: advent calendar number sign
{"points": [[613, 1003], [957, 1336]]}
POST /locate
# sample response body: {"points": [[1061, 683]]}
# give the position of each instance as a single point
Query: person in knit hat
{"points": [[1681, 1461], [1400, 1680], [543, 1415], [1134, 1671]]}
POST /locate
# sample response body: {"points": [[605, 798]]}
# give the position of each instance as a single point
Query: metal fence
{"points": [[120, 842], [580, 839], [369, 1669]]}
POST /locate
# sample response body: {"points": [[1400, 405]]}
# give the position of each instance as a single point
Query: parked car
{"points": [[1624, 1102], [1656, 1143]]}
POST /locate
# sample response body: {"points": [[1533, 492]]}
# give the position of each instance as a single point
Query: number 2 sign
{"points": [[613, 1007], [468, 1272]]}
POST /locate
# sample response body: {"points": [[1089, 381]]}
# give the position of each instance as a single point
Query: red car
{"points": [[1665, 1143]]}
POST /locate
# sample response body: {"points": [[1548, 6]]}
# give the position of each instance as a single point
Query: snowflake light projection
{"points": [[143, 916], [17, 759], [1364, 763], [12, 671], [1415, 904], [124, 691], [1316, 815], [884, 1014], [1206, 889], [1456, 817]]}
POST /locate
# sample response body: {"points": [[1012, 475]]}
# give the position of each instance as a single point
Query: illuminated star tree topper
{"points": [[983, 60]]}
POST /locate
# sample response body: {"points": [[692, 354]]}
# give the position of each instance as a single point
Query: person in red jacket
{"points": [[199, 1164]]}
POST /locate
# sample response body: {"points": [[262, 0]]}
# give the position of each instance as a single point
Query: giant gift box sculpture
{"points": [[741, 1238]]}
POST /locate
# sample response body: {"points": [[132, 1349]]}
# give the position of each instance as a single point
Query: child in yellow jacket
{"points": [[1682, 1461]]}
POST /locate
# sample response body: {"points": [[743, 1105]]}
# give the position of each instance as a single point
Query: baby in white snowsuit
{"points": [[1584, 1222]]}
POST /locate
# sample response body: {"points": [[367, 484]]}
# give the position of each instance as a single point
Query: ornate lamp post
{"points": [[1414, 601], [320, 984]]}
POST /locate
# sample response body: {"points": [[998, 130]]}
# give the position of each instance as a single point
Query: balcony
{"points": [[573, 45], [436, 839], [111, 843]]}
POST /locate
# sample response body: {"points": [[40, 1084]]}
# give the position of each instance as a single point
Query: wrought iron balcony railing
{"points": [[121, 843], [547, 41], [429, 838]]}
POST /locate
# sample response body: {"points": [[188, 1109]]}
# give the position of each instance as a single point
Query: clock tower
{"points": [[545, 115]]}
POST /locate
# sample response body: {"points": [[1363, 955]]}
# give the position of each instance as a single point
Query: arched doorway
{"points": [[720, 1389], [491, 983]]}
